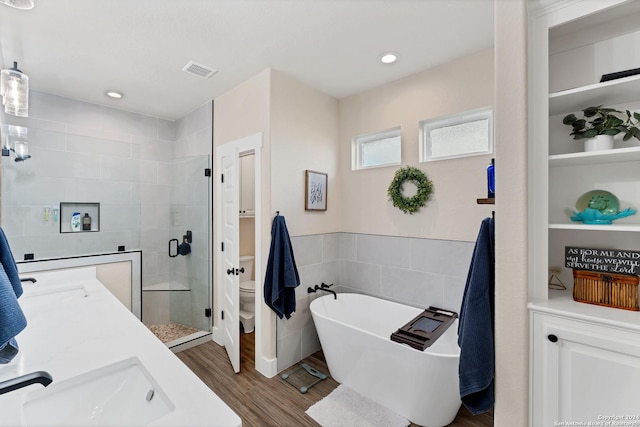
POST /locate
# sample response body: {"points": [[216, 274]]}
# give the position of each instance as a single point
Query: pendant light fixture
{"points": [[14, 89]]}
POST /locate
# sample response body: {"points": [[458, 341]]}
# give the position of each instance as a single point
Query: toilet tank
{"points": [[246, 262]]}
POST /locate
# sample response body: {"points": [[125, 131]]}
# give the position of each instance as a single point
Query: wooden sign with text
{"points": [[618, 261]]}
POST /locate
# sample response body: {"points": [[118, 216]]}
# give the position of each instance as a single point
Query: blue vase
{"points": [[491, 180]]}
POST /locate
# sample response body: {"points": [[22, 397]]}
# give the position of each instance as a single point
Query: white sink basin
{"points": [[121, 394], [55, 295]]}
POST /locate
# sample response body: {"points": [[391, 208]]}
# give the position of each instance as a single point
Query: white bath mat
{"points": [[345, 407]]}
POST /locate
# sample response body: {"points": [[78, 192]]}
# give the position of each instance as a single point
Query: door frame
{"points": [[265, 365]]}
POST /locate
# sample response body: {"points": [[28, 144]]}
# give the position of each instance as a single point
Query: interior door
{"points": [[229, 290]]}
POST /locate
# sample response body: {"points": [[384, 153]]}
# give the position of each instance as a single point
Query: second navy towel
{"points": [[475, 327]]}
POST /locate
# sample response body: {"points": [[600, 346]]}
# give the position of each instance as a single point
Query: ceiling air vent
{"points": [[199, 69]]}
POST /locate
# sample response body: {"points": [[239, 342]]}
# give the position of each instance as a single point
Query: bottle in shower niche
{"points": [[76, 222], [491, 179], [86, 222]]}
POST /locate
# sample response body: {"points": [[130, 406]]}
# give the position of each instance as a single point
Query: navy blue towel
{"points": [[282, 277], [9, 264], [475, 327], [12, 319]]}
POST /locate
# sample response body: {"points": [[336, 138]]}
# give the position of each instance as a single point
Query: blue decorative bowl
{"points": [[599, 207], [594, 216]]}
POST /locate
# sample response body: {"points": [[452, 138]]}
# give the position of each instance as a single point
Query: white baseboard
{"points": [[267, 367]]}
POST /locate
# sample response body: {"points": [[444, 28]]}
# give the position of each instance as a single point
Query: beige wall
{"points": [[299, 126], [117, 278], [511, 328], [304, 135], [244, 111], [452, 213], [240, 112]]}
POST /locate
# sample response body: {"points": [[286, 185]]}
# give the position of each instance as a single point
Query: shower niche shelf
{"points": [[67, 209]]}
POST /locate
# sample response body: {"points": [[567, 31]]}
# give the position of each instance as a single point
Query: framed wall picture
{"points": [[315, 191]]}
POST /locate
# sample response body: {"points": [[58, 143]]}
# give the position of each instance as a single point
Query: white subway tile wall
{"points": [[130, 163]]}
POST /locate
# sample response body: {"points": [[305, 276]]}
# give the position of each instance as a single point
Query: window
{"points": [[376, 149], [460, 135]]}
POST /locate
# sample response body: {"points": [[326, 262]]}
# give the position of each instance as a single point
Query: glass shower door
{"points": [[190, 219], [183, 297]]}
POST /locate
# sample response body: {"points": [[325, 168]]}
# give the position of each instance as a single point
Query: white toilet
{"points": [[247, 294]]}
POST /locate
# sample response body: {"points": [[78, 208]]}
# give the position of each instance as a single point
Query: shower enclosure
{"points": [[144, 195], [176, 300], [142, 181]]}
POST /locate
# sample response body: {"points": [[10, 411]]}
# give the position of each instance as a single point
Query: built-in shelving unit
{"points": [[593, 30], [579, 349]]}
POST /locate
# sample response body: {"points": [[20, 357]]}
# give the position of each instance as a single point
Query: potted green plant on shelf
{"points": [[600, 124]]}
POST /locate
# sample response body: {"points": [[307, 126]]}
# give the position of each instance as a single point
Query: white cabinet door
{"points": [[247, 185], [586, 372]]}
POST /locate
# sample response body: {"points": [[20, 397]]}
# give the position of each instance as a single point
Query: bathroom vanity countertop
{"points": [[69, 334]]}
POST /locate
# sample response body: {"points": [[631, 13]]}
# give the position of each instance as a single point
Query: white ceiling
{"points": [[82, 48]]}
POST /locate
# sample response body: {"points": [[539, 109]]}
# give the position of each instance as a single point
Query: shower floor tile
{"points": [[172, 331]]}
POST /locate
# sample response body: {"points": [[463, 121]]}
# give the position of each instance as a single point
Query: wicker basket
{"points": [[611, 290]]}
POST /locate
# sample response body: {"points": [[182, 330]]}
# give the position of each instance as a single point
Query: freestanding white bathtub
{"points": [[355, 331]]}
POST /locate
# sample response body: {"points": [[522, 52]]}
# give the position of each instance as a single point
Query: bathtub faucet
{"points": [[322, 287]]}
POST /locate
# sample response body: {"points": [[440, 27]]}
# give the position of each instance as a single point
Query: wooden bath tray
{"points": [[425, 328]]}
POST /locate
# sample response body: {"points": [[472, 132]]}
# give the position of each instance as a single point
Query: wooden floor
{"points": [[261, 401]]}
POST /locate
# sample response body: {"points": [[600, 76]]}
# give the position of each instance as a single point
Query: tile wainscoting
{"points": [[413, 271]]}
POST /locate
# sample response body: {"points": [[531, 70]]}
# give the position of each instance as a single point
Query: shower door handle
{"points": [[176, 254]]}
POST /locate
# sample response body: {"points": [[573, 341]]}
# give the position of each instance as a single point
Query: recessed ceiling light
{"points": [[389, 57], [114, 94]]}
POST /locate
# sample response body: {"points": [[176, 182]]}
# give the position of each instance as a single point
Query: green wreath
{"points": [[410, 204]]}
